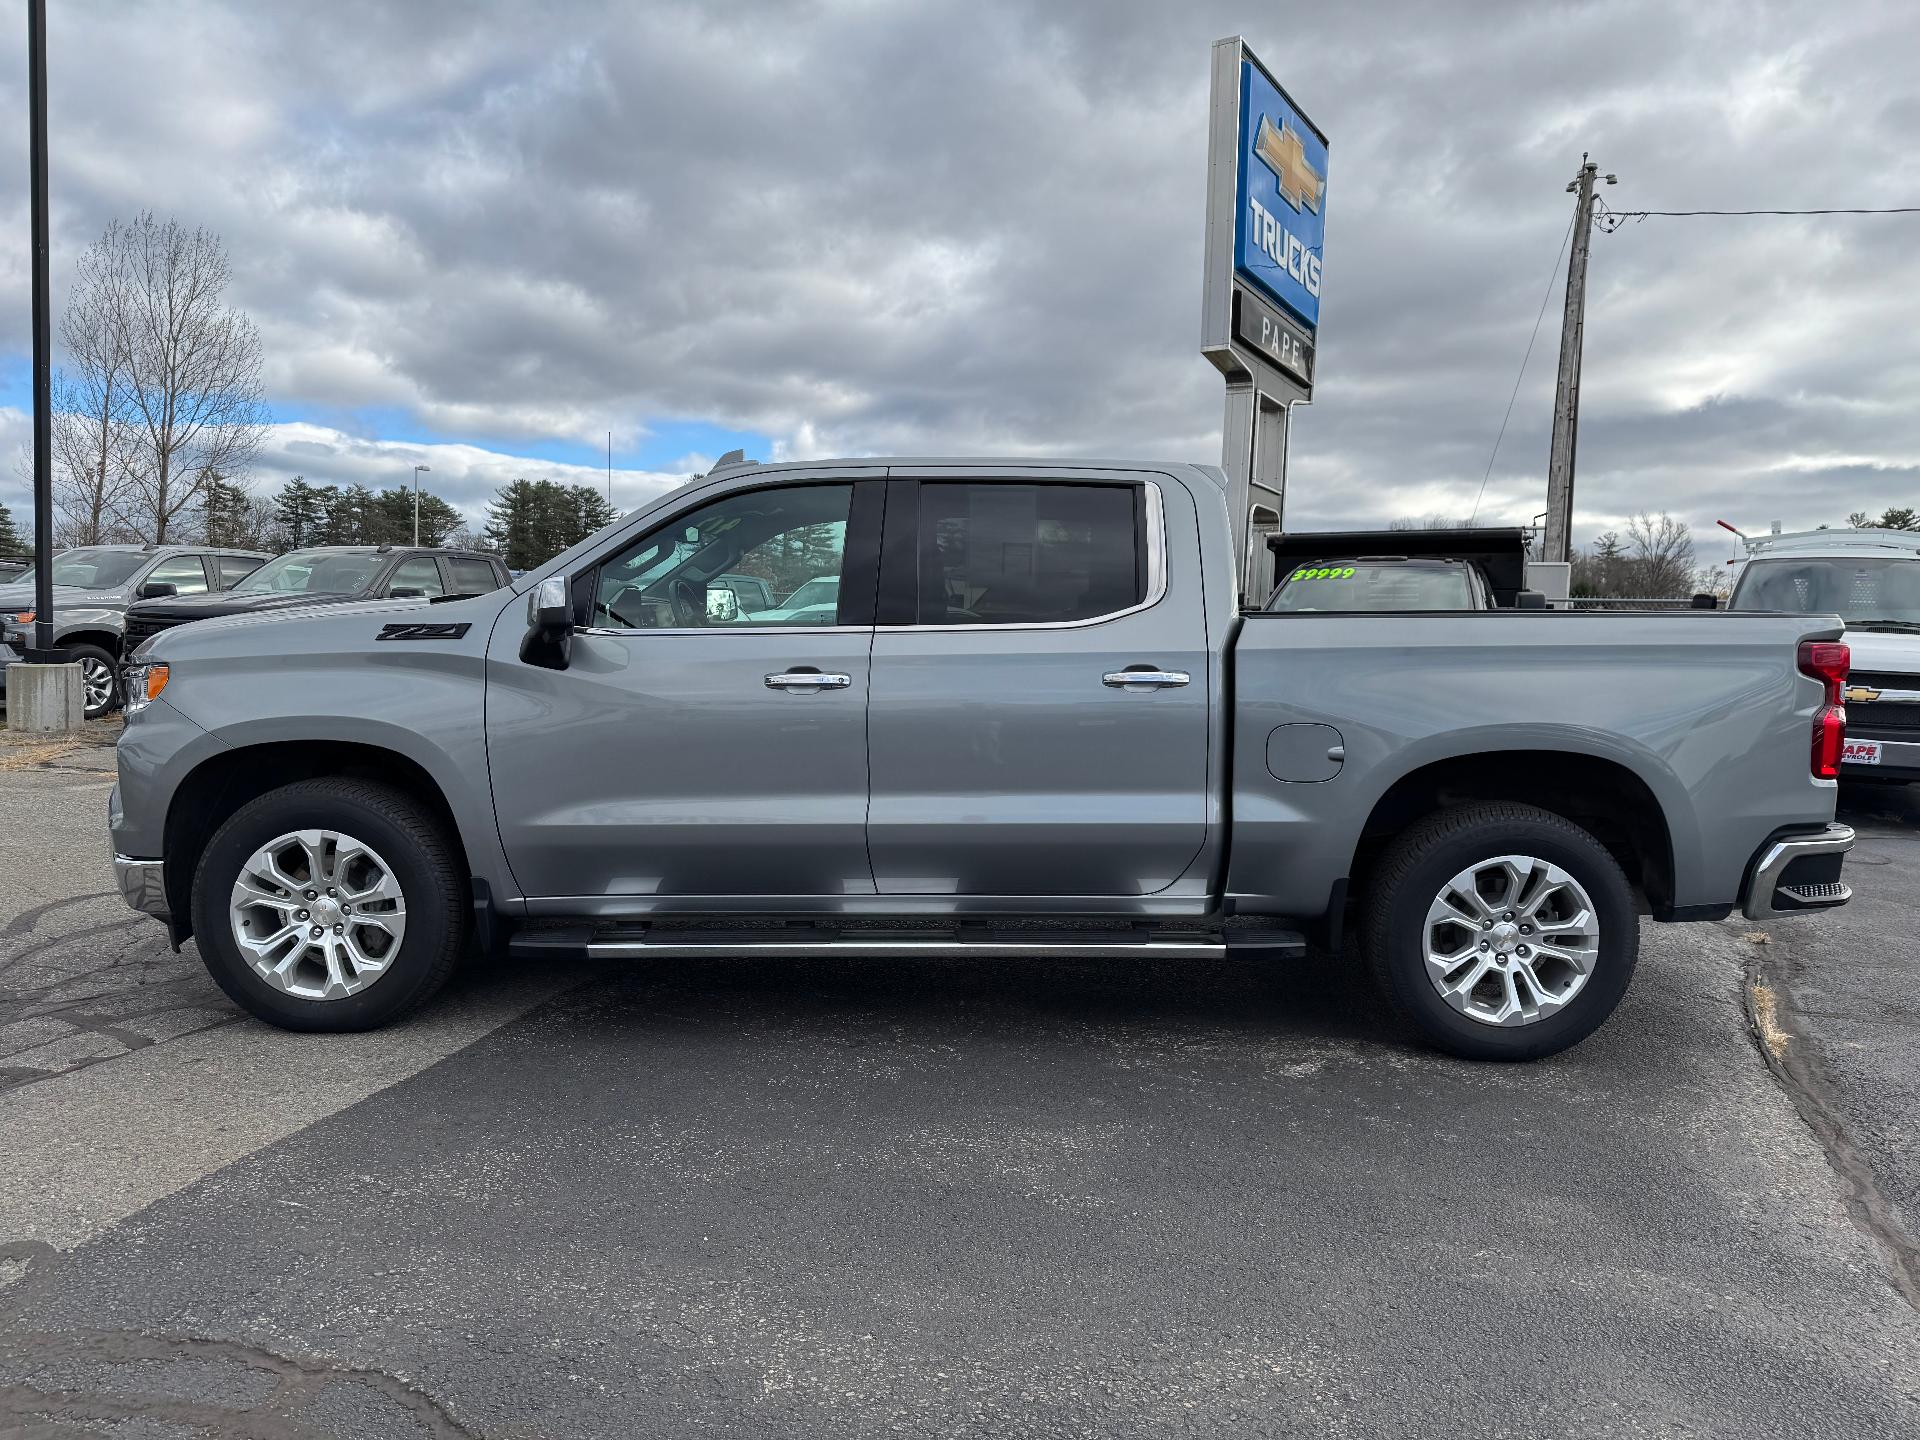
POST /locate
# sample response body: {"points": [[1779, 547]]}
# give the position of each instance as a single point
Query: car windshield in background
{"points": [[92, 569], [1374, 585], [1864, 591], [312, 572]]}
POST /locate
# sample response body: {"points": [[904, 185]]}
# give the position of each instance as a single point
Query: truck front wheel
{"points": [[1501, 931], [330, 904]]}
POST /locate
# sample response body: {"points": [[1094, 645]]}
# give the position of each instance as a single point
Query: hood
{"points": [[265, 631], [226, 602], [20, 597], [1884, 651]]}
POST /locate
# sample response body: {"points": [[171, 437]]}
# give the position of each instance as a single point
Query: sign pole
{"points": [[1260, 301], [41, 651]]}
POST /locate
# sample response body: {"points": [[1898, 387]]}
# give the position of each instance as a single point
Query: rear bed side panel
{"points": [[1708, 710]]}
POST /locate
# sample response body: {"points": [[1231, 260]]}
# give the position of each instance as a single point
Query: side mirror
{"points": [[158, 590], [406, 592], [723, 606], [548, 642], [1529, 600], [1704, 601]]}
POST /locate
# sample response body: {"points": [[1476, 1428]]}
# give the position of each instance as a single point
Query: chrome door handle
{"points": [[808, 680], [1124, 679]]}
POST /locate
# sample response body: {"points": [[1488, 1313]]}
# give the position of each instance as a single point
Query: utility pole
{"points": [[417, 471], [1566, 395], [41, 650], [609, 467]]}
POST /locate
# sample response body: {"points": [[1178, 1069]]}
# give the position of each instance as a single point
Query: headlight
{"points": [[144, 683]]}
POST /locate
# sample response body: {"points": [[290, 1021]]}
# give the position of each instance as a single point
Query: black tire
{"points": [[92, 655], [1411, 875], [423, 858]]}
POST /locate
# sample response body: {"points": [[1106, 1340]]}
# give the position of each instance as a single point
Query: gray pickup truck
{"points": [[1038, 723]]}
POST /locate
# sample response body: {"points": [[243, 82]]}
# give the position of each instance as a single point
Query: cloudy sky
{"points": [[481, 236]]}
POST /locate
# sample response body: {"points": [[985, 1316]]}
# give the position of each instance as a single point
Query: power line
{"points": [[1612, 220], [1547, 296]]}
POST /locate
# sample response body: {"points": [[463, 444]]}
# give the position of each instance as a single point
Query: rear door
{"points": [[1010, 752]]}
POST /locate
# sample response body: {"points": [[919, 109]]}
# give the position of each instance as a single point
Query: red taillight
{"points": [[1827, 661]]}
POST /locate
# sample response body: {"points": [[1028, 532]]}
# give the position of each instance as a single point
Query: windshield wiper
{"points": [[1897, 626]]}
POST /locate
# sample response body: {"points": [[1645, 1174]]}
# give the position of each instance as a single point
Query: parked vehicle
{"points": [[1461, 568], [12, 567], [1871, 580], [1039, 724], [327, 575], [808, 604], [92, 588], [1383, 582]]}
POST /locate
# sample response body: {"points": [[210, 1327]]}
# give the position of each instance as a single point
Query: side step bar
{"points": [[636, 941]]}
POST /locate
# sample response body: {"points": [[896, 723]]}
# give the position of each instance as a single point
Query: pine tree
{"points": [[510, 521], [298, 513], [226, 513], [11, 541]]}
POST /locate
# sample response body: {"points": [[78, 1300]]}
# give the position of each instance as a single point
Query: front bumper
{"points": [[143, 885], [1797, 872]]}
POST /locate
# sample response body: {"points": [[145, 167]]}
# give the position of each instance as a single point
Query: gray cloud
{"points": [[977, 227]]}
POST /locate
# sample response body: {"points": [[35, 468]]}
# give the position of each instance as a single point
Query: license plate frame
{"points": [[1860, 752]]}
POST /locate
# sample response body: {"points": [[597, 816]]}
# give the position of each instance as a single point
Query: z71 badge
{"points": [[452, 631]]}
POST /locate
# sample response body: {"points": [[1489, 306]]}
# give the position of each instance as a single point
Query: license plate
{"points": [[1861, 752]]}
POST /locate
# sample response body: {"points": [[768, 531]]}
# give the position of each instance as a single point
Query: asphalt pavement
{"points": [[789, 1199]]}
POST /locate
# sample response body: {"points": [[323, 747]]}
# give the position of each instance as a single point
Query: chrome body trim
{"points": [[1764, 879], [143, 885]]}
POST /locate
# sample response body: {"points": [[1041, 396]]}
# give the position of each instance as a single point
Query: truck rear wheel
{"points": [[330, 904], [1501, 931]]}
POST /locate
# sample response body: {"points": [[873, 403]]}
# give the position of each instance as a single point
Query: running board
{"points": [[635, 941]]}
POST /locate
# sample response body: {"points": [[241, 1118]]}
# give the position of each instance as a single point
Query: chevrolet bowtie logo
{"points": [[1860, 694], [1281, 151]]}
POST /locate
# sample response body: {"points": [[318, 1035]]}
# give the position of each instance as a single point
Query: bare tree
{"points": [[93, 431], [1662, 552], [190, 364]]}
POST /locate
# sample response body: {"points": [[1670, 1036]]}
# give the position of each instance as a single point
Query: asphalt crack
{"points": [[1769, 1021], [97, 1376]]}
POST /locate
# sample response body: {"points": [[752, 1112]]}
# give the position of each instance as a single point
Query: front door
{"points": [[1011, 753], [700, 741]]}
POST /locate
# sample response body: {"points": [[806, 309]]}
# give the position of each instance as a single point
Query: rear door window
{"points": [[1015, 554], [235, 568], [472, 576]]}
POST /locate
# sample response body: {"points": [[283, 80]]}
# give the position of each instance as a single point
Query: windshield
{"points": [[1388, 585], [92, 569], [1862, 592], [312, 572]]}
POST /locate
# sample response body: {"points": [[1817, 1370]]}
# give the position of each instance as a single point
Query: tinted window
{"points": [[422, 573], [1375, 585], [184, 572], [1028, 554], [1865, 590], [683, 576], [313, 572], [472, 577], [235, 568]]}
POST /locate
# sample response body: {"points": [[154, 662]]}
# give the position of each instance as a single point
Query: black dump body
{"points": [[1498, 552]]}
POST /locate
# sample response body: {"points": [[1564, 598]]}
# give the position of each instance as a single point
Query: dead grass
{"points": [[1766, 1020]]}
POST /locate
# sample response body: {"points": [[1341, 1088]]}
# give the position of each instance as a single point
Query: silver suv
{"points": [[93, 586]]}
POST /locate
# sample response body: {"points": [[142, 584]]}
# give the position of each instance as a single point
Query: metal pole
{"points": [[42, 648], [1558, 544], [609, 467], [416, 501]]}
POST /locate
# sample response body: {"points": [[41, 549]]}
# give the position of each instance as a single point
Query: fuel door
{"points": [[1305, 754]]}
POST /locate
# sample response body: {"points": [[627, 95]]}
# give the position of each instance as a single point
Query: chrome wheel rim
{"points": [[96, 678], [1510, 940], [318, 914]]}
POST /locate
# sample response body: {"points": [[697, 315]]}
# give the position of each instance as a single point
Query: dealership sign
{"points": [[1266, 229], [1282, 185]]}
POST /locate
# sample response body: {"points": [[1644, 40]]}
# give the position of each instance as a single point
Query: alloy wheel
{"points": [[1510, 940], [318, 914]]}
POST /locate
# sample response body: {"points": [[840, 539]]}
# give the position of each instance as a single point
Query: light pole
{"points": [[416, 499]]}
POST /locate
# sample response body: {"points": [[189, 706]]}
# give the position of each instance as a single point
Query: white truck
{"points": [[1871, 580]]}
